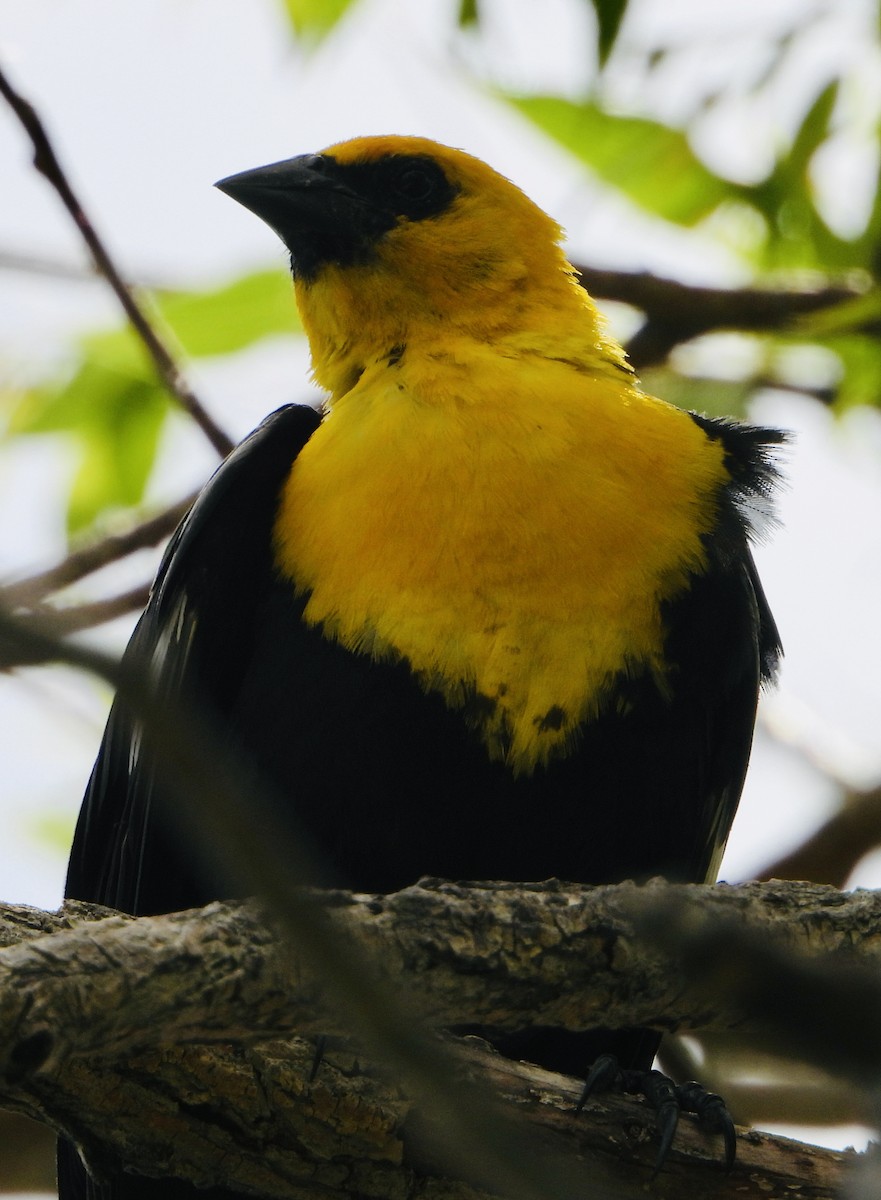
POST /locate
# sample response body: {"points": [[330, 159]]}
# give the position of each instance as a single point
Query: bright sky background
{"points": [[152, 100]]}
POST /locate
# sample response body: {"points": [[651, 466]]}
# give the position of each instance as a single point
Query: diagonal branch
{"points": [[46, 162], [31, 591], [261, 851], [832, 853], [75, 618]]}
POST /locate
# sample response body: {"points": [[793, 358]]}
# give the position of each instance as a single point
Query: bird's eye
{"points": [[415, 183]]}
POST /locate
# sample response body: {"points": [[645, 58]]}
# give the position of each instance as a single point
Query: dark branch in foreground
{"points": [[267, 859], [136, 1058], [46, 162]]}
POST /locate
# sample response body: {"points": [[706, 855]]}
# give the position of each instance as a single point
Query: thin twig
{"points": [[54, 268], [26, 593], [71, 272], [677, 312], [77, 617], [46, 162]]}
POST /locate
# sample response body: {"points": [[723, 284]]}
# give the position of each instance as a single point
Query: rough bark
{"points": [[151, 1041]]}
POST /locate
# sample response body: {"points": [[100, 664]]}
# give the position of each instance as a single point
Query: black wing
{"points": [[198, 627], [722, 636]]}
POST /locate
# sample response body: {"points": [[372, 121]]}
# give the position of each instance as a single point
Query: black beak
{"points": [[317, 216], [290, 194]]}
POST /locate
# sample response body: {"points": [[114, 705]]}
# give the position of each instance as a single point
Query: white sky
{"points": [[152, 100]]}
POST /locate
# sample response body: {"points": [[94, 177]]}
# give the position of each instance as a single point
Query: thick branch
{"points": [[169, 371], [109, 1018], [503, 956], [100, 1012], [254, 1120]]}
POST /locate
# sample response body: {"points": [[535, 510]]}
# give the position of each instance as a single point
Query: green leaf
{"points": [[468, 14], [813, 130], [609, 14], [798, 237], [118, 454], [850, 316], [220, 321], [114, 404], [81, 401], [313, 19], [52, 830], [653, 164], [233, 316], [116, 410]]}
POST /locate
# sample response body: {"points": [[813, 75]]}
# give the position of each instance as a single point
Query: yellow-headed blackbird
{"points": [[492, 614]]}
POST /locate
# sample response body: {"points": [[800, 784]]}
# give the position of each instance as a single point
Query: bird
{"points": [[490, 613]]}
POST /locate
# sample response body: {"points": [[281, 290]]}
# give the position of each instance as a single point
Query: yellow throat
{"points": [[490, 496]]}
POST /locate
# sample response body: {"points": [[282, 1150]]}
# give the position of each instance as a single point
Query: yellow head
{"points": [[396, 238]]}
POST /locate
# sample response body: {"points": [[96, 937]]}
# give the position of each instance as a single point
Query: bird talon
{"points": [[668, 1100], [318, 1056], [712, 1113], [660, 1091], [604, 1076]]}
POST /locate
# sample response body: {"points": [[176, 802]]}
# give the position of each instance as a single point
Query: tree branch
{"points": [[109, 1021], [253, 1120], [500, 955], [831, 854], [75, 618], [169, 371], [677, 312], [27, 597], [83, 561]]}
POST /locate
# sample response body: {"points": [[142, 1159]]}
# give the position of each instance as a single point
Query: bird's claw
{"points": [[668, 1099], [604, 1076], [661, 1093], [318, 1056], [712, 1112]]}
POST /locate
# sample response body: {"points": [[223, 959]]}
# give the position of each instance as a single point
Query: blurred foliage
{"points": [[52, 829], [468, 14], [775, 226], [312, 19], [653, 165], [115, 406]]}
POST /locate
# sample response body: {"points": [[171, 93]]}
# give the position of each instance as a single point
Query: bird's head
{"points": [[395, 238]]}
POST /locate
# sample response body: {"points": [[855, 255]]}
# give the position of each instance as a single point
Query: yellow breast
{"points": [[508, 525]]}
